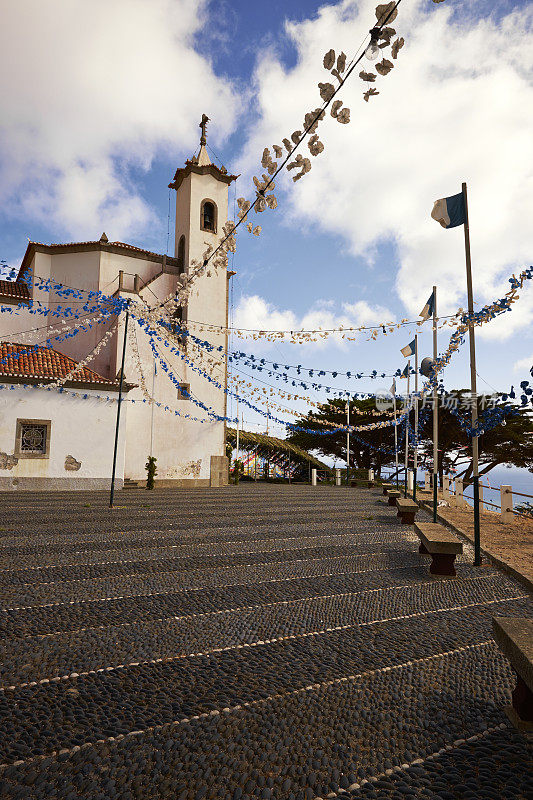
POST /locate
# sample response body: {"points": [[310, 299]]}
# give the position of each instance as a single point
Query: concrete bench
{"points": [[441, 544], [406, 510], [514, 637], [393, 495], [386, 487]]}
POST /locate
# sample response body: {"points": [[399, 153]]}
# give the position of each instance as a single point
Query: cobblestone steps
{"points": [[292, 647]]}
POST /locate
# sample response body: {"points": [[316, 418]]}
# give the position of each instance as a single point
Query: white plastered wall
{"points": [[83, 429]]}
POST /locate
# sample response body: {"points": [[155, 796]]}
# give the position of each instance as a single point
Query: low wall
{"points": [[57, 484]]}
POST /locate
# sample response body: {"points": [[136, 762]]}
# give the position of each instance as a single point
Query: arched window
{"points": [[208, 216], [181, 254]]}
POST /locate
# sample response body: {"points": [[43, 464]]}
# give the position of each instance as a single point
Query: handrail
{"points": [[521, 494], [483, 502]]}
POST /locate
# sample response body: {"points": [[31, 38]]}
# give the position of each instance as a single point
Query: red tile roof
{"points": [[44, 363], [17, 290]]}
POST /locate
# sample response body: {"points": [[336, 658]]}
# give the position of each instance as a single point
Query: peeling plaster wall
{"points": [[81, 440]]}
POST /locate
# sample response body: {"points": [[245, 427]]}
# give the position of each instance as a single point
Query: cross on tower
{"points": [[203, 125]]}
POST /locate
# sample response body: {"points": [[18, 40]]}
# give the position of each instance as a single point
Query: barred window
{"points": [[33, 438]]}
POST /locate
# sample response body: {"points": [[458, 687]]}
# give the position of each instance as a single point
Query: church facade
{"points": [[64, 439]]}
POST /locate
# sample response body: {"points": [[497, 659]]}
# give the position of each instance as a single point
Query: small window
{"points": [[179, 319], [208, 216], [33, 438], [184, 391], [181, 254]]}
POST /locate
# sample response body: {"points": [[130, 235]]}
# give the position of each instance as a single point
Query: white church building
{"points": [[51, 439]]}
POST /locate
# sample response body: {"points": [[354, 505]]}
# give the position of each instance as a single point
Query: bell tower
{"points": [[201, 212]]}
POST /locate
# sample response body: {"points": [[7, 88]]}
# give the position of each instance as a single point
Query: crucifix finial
{"points": [[203, 125]]}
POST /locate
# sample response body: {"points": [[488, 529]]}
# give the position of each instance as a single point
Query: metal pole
{"points": [[237, 444], [348, 444], [395, 440], [415, 459], [112, 493], [408, 403], [152, 416], [435, 410], [473, 386], [237, 447]]}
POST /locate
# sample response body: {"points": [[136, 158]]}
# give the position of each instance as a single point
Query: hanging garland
{"points": [[477, 318], [152, 335], [301, 337], [59, 338], [307, 400], [486, 314], [88, 358]]}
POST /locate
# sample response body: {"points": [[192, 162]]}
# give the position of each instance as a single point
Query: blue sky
{"points": [[90, 142]]}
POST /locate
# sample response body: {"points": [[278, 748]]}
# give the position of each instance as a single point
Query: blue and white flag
{"points": [[450, 211], [405, 372], [409, 349], [428, 309]]}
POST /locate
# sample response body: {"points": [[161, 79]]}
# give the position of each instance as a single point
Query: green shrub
{"points": [[151, 471]]}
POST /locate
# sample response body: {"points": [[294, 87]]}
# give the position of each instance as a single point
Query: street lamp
{"points": [[348, 443]]}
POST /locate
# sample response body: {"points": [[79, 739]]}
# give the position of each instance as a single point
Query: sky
{"points": [[101, 102]]}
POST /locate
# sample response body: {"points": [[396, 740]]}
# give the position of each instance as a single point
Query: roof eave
{"points": [[208, 169], [83, 247], [71, 384]]}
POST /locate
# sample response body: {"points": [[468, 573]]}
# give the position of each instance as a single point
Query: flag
{"points": [[409, 349], [428, 309], [393, 387], [405, 372], [450, 211]]}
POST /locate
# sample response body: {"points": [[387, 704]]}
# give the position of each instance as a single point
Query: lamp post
{"points": [[427, 368], [112, 492], [407, 426], [395, 433], [415, 453], [435, 410], [348, 443]]}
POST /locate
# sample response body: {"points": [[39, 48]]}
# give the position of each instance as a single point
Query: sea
{"points": [[520, 480]]}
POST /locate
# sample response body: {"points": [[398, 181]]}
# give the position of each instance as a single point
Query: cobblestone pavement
{"points": [[247, 642]]}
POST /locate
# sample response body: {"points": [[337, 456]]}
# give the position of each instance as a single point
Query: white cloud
{"points": [[508, 324], [255, 313], [457, 106], [90, 89], [523, 364]]}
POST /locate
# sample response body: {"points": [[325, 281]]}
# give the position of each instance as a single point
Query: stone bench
{"points": [[386, 487], [441, 544], [514, 637], [393, 495], [406, 510]]}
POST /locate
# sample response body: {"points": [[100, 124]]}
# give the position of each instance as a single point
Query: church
{"points": [[60, 434]]}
